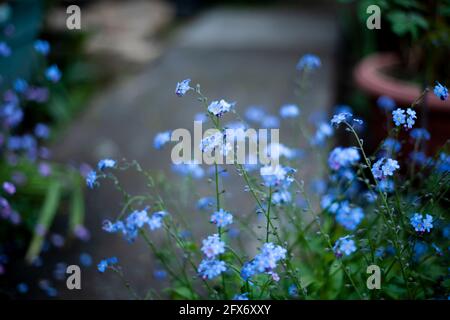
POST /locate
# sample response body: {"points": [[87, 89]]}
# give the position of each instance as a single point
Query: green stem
{"points": [[268, 215], [385, 203]]}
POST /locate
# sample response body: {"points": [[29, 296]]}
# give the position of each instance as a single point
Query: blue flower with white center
{"points": [[137, 219], [268, 258], [344, 245], [5, 50], [243, 296], [155, 221], [410, 118], [376, 169], [212, 142], [190, 169], [399, 117], [406, 119], [276, 175], [349, 217], [91, 179], [111, 227], [289, 111], [420, 134], [343, 157], [107, 263], [386, 103], [255, 113], [106, 163], [281, 197], [247, 271], [389, 167], [340, 117], [309, 62], [420, 223], [211, 268], [182, 87], [219, 108], [53, 73], [221, 218], [384, 168], [20, 85], [213, 246], [161, 139], [270, 122], [42, 47], [416, 222], [440, 91], [134, 222]]}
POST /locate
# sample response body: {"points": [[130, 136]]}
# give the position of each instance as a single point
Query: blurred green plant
{"points": [[35, 102], [420, 30]]}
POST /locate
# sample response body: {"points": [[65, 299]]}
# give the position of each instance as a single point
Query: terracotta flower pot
{"points": [[371, 77]]}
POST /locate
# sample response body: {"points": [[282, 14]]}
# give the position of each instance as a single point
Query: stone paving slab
{"points": [[241, 55]]}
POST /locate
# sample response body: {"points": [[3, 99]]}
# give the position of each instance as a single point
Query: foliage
{"points": [[308, 240], [34, 187]]}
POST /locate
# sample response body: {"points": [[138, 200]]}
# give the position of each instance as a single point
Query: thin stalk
{"points": [[388, 211], [268, 215]]}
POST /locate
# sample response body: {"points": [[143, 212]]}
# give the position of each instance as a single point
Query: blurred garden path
{"points": [[248, 56]]}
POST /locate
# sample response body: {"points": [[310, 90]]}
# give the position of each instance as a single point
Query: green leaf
{"points": [[403, 23], [46, 216], [182, 293], [77, 210], [409, 4], [306, 277], [335, 280]]}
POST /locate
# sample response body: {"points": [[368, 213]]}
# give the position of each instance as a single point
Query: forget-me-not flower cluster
{"points": [[384, 167], [420, 223], [440, 91], [344, 245]]}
